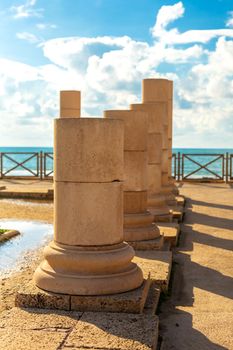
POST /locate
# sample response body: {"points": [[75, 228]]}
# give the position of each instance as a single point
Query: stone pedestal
{"points": [[88, 255], [138, 220], [161, 91], [156, 201]]}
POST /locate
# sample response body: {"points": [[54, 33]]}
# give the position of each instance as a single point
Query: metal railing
{"points": [[185, 166]]}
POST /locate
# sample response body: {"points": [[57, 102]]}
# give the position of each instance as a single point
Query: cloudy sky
{"points": [[105, 48]]}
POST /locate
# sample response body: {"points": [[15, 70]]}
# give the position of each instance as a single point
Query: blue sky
{"points": [[105, 48]]}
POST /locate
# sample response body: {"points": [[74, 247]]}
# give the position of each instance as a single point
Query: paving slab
{"points": [[114, 332], [156, 264], [27, 340], [198, 314]]}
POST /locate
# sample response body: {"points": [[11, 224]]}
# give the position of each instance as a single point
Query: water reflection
{"points": [[33, 235]]}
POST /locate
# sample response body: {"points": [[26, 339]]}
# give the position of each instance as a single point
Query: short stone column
{"points": [[138, 221], [159, 91], [88, 255], [156, 201]]}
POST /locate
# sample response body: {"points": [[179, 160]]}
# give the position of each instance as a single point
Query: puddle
{"points": [[33, 235]]}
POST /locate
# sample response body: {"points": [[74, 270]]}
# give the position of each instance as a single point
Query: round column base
{"points": [[89, 270]]}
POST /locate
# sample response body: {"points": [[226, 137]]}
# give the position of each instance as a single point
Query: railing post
{"points": [[41, 165], [178, 166], [227, 167], [1, 165]]}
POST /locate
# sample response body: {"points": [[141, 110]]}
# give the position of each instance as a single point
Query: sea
{"points": [[191, 159]]}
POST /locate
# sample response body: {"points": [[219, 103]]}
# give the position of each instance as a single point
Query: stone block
{"points": [[135, 126], [70, 99], [94, 208], [114, 331], [152, 300], [128, 302], [157, 265], [156, 90], [29, 296], [135, 170], [154, 178], [154, 148], [151, 244], [156, 113], [83, 145], [171, 231], [135, 202]]}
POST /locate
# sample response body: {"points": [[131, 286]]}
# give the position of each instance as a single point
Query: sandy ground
{"points": [[199, 313], [25, 210]]}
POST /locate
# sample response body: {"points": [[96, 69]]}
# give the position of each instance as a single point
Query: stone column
{"points": [[88, 255], [170, 137], [138, 221], [159, 91], [156, 201]]}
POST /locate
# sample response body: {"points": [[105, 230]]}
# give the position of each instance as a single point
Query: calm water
{"points": [[189, 166], [33, 235]]}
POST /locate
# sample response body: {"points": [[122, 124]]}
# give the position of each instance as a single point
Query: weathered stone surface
{"points": [[114, 331], [39, 319], [134, 137], [93, 213], [135, 170], [152, 244], [156, 90], [28, 340], [29, 296], [128, 302], [152, 300], [135, 202], [157, 264], [83, 145]]}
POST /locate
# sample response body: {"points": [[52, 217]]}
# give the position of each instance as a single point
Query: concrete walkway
{"points": [[199, 313]]}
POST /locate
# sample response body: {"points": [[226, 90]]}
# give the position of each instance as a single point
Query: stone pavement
{"points": [[199, 313]]}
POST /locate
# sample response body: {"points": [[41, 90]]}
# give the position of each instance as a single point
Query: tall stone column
{"points": [[87, 255], [170, 137], [156, 201], [159, 91], [138, 220]]}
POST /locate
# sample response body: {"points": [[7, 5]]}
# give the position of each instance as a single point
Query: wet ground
{"points": [[19, 250]]}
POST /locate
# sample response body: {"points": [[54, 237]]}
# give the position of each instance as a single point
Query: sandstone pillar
{"points": [[160, 91], [138, 221], [156, 201], [88, 255]]}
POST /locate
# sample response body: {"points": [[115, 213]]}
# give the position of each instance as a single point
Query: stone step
{"points": [[171, 232], [157, 265], [152, 244]]}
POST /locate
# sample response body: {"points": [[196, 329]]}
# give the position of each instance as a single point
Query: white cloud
{"points": [[31, 38], [168, 14], [229, 22], [109, 71], [26, 10]]}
